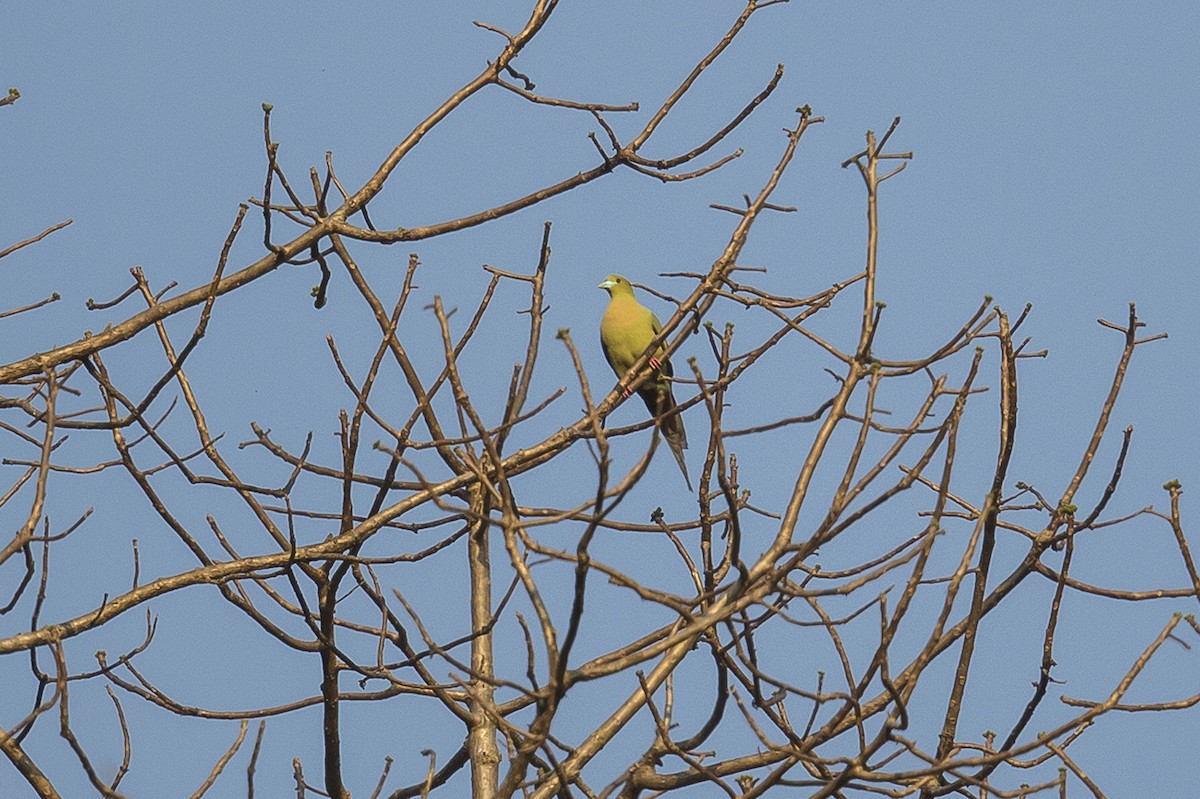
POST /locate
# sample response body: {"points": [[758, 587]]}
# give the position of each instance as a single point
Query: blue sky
{"points": [[1052, 166]]}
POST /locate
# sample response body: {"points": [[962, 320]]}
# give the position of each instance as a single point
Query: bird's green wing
{"points": [[656, 326]]}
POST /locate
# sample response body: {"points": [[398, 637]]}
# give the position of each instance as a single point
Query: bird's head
{"points": [[615, 284]]}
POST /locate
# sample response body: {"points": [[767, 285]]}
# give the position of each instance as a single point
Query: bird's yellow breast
{"points": [[626, 329]]}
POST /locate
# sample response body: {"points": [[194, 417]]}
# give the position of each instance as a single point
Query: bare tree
{"points": [[746, 666]]}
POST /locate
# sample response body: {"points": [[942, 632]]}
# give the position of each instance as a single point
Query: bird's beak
{"points": [[607, 284]]}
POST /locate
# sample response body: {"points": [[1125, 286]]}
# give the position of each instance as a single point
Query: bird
{"points": [[626, 330]]}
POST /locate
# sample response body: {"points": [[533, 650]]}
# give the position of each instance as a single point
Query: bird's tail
{"points": [[660, 401]]}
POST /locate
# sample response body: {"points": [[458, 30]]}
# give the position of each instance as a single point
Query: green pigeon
{"points": [[626, 331]]}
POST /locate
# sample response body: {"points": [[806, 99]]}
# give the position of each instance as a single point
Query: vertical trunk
{"points": [[329, 694], [485, 755]]}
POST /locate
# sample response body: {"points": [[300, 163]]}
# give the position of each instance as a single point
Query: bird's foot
{"points": [[655, 363]]}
